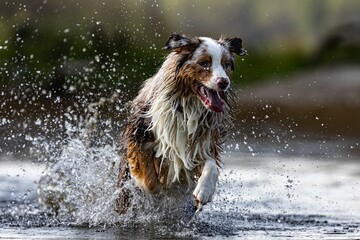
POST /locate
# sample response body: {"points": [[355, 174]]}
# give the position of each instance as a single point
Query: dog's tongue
{"points": [[213, 101]]}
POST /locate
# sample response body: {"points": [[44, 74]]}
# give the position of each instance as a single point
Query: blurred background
{"points": [[69, 67], [299, 81]]}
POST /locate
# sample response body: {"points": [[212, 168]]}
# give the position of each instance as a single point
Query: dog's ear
{"points": [[234, 45], [181, 43]]}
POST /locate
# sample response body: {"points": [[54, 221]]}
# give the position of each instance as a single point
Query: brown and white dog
{"points": [[179, 118]]}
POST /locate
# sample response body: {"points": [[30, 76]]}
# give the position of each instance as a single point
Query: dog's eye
{"points": [[204, 64], [227, 65]]}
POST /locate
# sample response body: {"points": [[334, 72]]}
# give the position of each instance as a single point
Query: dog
{"points": [[179, 119]]}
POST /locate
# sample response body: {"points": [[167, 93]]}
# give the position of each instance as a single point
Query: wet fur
{"points": [[170, 133]]}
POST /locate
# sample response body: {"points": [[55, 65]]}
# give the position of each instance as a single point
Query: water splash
{"points": [[80, 185]]}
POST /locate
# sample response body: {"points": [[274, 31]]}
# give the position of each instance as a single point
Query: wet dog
{"points": [[179, 119]]}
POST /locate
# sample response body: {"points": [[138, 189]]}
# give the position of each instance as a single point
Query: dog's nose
{"points": [[222, 83]]}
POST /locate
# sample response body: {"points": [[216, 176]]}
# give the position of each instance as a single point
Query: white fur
{"points": [[175, 132], [205, 188], [216, 52]]}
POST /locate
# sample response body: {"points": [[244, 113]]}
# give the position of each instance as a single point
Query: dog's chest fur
{"points": [[184, 134]]}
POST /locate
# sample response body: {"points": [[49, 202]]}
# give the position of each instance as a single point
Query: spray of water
{"points": [[80, 185]]}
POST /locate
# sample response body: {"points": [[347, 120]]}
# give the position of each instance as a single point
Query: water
{"points": [[257, 198], [288, 188]]}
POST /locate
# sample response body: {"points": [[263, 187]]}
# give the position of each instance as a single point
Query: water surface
{"points": [[258, 197]]}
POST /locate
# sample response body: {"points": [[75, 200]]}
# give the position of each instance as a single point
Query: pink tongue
{"points": [[214, 102]]}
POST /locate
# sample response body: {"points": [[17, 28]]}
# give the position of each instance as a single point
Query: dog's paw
{"points": [[203, 194], [206, 185]]}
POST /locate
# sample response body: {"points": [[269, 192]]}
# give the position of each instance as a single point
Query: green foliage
{"points": [[102, 45], [94, 61], [259, 66], [74, 61], [341, 54]]}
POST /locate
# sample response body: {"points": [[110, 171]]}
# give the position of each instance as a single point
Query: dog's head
{"points": [[204, 66]]}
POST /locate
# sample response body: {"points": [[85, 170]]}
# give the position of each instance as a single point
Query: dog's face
{"points": [[205, 66]]}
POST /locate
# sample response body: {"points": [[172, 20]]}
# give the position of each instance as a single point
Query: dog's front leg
{"points": [[205, 187]]}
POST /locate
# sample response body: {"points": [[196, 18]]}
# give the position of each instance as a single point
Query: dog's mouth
{"points": [[210, 98]]}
